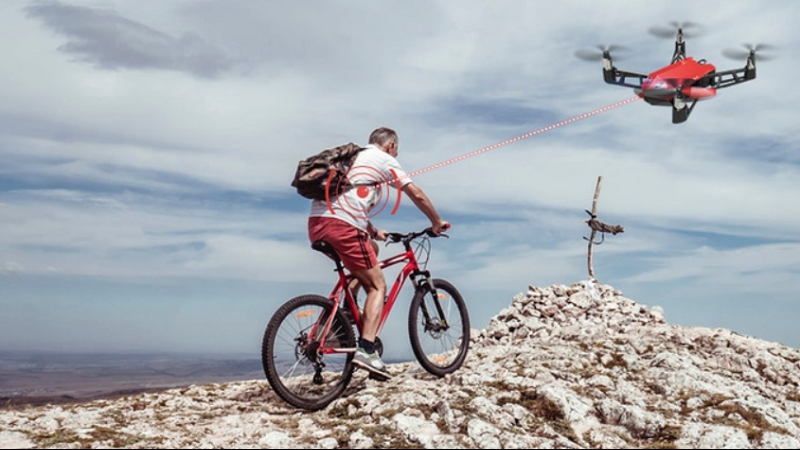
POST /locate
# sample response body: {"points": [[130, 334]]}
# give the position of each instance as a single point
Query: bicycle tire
{"points": [[439, 350], [290, 358]]}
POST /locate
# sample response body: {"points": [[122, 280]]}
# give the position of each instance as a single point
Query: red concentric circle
{"points": [[367, 182]]}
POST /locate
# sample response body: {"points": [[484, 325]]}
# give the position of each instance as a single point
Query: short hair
{"points": [[382, 136]]}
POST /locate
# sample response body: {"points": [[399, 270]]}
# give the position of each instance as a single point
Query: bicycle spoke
{"points": [[297, 369], [441, 340], [307, 353], [439, 328]]}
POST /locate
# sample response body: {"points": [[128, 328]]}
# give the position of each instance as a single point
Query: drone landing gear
{"points": [[681, 111]]}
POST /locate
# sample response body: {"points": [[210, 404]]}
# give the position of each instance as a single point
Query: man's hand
{"points": [[439, 227]]}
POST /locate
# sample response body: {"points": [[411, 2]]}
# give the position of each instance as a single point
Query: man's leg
{"points": [[357, 252], [366, 357], [355, 285], [374, 284]]}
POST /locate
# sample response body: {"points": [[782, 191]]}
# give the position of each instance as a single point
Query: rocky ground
{"points": [[562, 367]]}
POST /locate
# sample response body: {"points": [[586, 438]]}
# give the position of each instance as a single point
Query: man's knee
{"points": [[371, 279], [377, 285]]}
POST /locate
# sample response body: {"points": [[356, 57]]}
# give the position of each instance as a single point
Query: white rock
{"points": [[575, 372]]}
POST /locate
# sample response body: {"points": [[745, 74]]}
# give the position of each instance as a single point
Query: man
{"points": [[345, 225]]}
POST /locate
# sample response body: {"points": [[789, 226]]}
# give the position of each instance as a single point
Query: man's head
{"points": [[385, 138]]}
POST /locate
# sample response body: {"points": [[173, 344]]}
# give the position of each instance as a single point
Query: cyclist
{"points": [[345, 225]]}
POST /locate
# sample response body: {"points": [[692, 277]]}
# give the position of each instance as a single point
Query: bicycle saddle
{"points": [[324, 247]]}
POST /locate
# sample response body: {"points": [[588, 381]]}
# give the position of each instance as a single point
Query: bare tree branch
{"points": [[598, 227]]}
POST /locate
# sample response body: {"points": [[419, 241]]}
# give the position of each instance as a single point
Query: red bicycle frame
{"points": [[410, 269]]}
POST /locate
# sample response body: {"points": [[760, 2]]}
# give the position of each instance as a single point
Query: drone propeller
{"points": [[749, 49], [596, 54], [690, 30]]}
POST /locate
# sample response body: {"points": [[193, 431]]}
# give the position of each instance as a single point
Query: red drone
{"points": [[682, 83]]}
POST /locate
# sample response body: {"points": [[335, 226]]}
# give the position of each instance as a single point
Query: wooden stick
{"points": [[594, 232]]}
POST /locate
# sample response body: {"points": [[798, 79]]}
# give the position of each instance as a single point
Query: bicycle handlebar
{"points": [[405, 238]]}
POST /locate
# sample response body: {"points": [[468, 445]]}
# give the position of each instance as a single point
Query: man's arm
{"points": [[421, 200]]}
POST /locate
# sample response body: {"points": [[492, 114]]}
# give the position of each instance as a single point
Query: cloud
{"points": [[156, 152], [11, 268], [108, 41], [130, 235], [753, 268]]}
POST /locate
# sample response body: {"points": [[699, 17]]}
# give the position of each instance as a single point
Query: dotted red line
{"points": [[521, 137], [500, 144]]}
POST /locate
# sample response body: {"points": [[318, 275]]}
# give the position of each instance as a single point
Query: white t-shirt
{"points": [[372, 171]]}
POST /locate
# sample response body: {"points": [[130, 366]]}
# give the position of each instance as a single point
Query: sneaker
{"points": [[372, 363]]}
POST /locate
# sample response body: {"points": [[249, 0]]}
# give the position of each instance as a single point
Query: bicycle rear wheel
{"points": [[298, 370], [440, 341]]}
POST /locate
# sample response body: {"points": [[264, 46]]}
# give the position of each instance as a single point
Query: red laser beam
{"points": [[523, 136], [495, 146]]}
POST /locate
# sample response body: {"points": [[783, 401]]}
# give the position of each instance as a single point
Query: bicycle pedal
{"points": [[378, 377]]}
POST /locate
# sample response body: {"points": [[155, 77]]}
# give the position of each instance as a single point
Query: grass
{"points": [[57, 437], [666, 437], [750, 420], [543, 407], [105, 436], [617, 360], [755, 422]]}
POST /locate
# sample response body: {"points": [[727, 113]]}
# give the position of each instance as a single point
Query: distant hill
{"points": [[561, 367], [36, 378]]}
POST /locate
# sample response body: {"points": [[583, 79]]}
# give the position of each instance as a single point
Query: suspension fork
{"points": [[427, 280]]}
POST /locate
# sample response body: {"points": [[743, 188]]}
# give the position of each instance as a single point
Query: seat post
{"points": [[327, 249]]}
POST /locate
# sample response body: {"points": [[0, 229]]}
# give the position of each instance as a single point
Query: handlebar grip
{"points": [[429, 230]]}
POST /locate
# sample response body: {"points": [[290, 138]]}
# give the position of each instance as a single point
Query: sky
{"points": [[147, 150]]}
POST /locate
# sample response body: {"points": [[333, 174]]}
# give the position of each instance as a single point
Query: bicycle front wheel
{"points": [[300, 370], [439, 328]]}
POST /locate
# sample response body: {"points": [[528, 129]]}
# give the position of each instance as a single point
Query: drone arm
{"points": [[620, 77], [727, 78]]}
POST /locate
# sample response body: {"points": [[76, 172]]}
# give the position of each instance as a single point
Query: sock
{"points": [[368, 346]]}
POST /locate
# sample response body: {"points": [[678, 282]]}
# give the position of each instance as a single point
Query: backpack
{"points": [[327, 168]]}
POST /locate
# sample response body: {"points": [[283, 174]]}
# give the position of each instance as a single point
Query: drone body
{"points": [[682, 83]]}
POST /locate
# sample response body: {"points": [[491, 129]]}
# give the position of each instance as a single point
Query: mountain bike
{"points": [[309, 343]]}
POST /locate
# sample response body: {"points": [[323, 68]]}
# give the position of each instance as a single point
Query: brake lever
{"points": [[429, 231], [393, 238], [430, 234]]}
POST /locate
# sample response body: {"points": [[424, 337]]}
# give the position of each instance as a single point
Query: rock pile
{"points": [[576, 366]]}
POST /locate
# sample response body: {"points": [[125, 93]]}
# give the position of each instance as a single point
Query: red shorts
{"points": [[352, 244]]}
